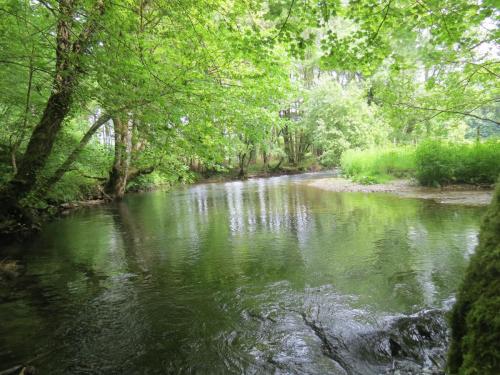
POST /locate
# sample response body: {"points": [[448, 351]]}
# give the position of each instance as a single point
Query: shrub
{"points": [[439, 163]]}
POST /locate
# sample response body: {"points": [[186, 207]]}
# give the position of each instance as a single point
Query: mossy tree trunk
{"points": [[475, 318]]}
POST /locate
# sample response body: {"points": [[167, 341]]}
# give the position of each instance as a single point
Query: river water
{"points": [[262, 276]]}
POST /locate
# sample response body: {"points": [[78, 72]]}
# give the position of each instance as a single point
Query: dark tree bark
{"points": [[67, 70], [277, 166], [118, 175], [265, 160], [241, 162], [290, 145], [370, 96], [44, 134]]}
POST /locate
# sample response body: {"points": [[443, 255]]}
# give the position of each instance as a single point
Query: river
{"points": [[262, 276]]}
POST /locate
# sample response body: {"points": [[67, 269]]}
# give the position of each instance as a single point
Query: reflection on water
{"points": [[223, 277]]}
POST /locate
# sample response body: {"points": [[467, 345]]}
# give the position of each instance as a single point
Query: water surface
{"points": [[224, 278]]}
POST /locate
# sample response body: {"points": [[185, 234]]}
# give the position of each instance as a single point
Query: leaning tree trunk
{"points": [[67, 70], [44, 135], [118, 175], [47, 184]]}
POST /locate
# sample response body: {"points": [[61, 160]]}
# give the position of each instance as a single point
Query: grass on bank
{"points": [[432, 163], [442, 163], [378, 165]]}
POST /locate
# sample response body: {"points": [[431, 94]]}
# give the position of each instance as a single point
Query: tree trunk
{"points": [[56, 109], [118, 175], [241, 160], [288, 145], [13, 162], [475, 327], [45, 186], [277, 166], [265, 160], [67, 70]]}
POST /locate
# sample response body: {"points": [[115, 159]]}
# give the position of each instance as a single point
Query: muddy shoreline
{"points": [[469, 195]]}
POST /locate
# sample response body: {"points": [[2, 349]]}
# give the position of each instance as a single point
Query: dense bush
{"points": [[439, 163], [378, 164]]}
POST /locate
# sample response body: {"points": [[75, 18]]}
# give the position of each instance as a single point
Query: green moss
{"points": [[475, 318]]}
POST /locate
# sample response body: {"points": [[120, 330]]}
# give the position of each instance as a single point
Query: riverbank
{"points": [[233, 176], [463, 194], [13, 230], [67, 207], [431, 163]]}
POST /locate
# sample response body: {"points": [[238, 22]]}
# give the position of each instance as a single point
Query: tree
{"points": [[338, 119], [150, 64], [73, 39]]}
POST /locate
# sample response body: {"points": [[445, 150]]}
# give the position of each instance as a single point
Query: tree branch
{"points": [[71, 158], [386, 8], [452, 111], [286, 20]]}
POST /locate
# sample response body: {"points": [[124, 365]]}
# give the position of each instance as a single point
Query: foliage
{"points": [[475, 322], [191, 80], [439, 162], [432, 162], [339, 119], [391, 70], [378, 165], [214, 86]]}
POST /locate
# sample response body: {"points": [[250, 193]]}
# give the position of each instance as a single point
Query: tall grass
{"points": [[378, 164], [440, 163], [433, 163]]}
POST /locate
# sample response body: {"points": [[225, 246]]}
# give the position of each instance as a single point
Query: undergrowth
{"points": [[432, 163], [378, 165], [442, 163]]}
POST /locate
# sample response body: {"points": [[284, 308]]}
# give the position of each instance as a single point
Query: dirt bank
{"points": [[454, 194]]}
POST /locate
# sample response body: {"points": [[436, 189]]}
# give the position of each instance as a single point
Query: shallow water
{"points": [[262, 276]]}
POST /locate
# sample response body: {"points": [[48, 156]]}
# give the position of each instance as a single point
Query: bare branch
{"points": [[452, 111], [386, 12]]}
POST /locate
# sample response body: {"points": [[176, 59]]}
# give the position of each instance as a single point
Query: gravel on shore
{"points": [[454, 194]]}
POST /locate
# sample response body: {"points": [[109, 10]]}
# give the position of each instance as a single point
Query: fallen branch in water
{"points": [[23, 370], [11, 370], [26, 368]]}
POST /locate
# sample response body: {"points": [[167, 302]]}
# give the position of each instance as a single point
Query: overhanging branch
{"points": [[452, 111]]}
